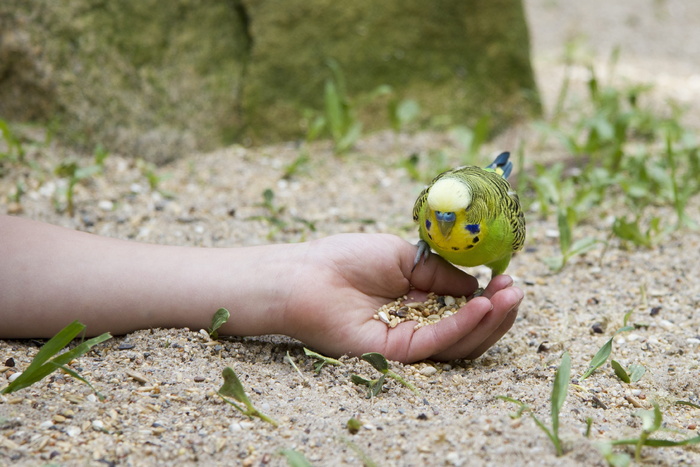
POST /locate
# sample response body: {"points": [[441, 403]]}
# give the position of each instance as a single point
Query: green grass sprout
{"points": [[289, 358], [559, 392], [232, 387], [380, 363], [652, 421], [295, 458], [374, 386], [47, 359], [402, 113], [219, 319], [688, 403], [631, 375], [471, 140], [299, 164], [604, 352], [366, 461], [321, 360], [353, 425], [624, 152], [567, 248], [339, 118], [74, 174], [13, 150], [275, 215], [154, 178], [632, 231]]}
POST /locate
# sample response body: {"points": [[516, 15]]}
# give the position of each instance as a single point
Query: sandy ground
{"points": [[174, 416]]}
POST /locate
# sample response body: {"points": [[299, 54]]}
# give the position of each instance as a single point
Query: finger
{"points": [[437, 275], [490, 329], [500, 331], [436, 338], [499, 282]]}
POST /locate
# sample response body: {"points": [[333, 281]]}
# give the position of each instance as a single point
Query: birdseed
{"points": [[433, 309]]}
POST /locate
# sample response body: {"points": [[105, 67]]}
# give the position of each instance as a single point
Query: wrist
{"points": [[262, 282]]}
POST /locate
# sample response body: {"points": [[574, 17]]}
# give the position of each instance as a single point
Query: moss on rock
{"points": [[158, 80]]}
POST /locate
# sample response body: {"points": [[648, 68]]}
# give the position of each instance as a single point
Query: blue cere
{"points": [[473, 228], [448, 216]]}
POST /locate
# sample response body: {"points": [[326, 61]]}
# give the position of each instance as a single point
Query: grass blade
{"points": [[77, 376], [40, 367], [599, 359], [620, 371], [321, 360], [295, 458], [636, 372], [559, 392], [232, 387], [659, 443], [219, 319], [377, 360], [688, 403]]}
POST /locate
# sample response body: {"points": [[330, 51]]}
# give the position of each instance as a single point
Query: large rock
{"points": [[458, 58], [149, 78], [158, 79]]}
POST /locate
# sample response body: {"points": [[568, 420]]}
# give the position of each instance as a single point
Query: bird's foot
{"points": [[423, 251]]}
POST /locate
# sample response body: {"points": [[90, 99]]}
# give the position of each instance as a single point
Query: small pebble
{"points": [[199, 379], [14, 376], [59, 418], [45, 425], [137, 377], [105, 205], [98, 425], [73, 431], [427, 370]]}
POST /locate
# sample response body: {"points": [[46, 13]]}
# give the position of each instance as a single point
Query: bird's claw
{"points": [[423, 251]]}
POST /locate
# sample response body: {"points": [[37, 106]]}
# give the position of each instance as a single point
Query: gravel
{"points": [[161, 406]]}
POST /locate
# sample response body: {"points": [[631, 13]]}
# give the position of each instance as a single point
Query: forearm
{"points": [[50, 276]]}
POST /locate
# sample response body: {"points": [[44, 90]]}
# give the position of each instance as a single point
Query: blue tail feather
{"points": [[502, 165]]}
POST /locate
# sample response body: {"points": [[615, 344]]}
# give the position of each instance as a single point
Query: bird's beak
{"points": [[445, 227]]}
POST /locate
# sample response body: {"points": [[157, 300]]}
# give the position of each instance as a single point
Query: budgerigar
{"points": [[471, 216]]}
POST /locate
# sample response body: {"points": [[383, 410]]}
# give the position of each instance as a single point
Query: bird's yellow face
{"points": [[445, 221]]}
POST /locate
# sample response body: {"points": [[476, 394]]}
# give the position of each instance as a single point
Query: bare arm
{"points": [[51, 275], [322, 292]]}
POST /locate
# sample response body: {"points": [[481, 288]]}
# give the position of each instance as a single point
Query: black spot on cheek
{"points": [[470, 246], [475, 240], [455, 248], [430, 236]]}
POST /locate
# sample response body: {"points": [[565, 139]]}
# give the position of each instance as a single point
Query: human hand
{"points": [[346, 278]]}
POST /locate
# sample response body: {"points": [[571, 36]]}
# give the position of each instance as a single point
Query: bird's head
{"points": [[446, 198]]}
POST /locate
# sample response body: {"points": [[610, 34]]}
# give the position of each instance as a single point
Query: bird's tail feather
{"points": [[501, 165]]}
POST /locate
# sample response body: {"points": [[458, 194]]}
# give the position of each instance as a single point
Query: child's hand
{"points": [[346, 278]]}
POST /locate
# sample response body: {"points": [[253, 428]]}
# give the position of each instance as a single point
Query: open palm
{"points": [[348, 277]]}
